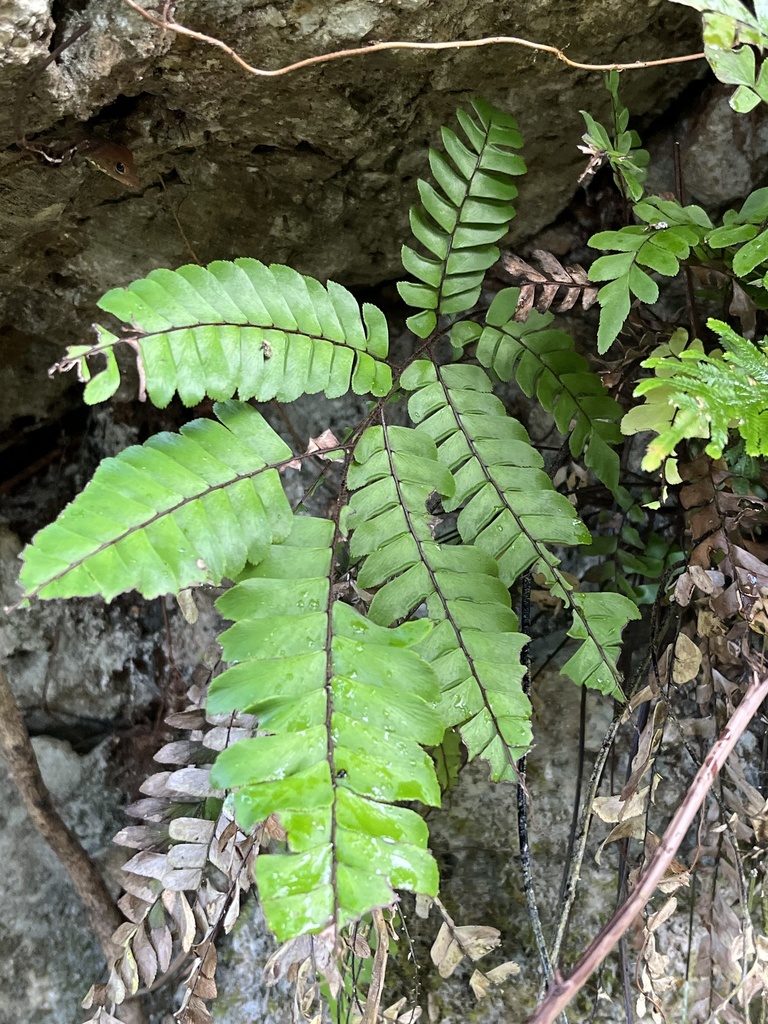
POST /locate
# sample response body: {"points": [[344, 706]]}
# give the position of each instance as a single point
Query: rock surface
{"points": [[315, 169], [48, 959]]}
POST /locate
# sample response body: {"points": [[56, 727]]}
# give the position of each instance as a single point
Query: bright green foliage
{"points": [[343, 705], [622, 149], [263, 332], [105, 383], [179, 510], [394, 473], [598, 622], [508, 506], [738, 67], [358, 712], [660, 213], [460, 220], [727, 24], [673, 233], [475, 647], [744, 233], [594, 663], [545, 364], [699, 395], [672, 230]]}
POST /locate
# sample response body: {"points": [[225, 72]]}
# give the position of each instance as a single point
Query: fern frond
{"points": [[598, 622], [671, 231], [698, 395], [508, 505], [460, 220], [344, 706], [571, 282], [179, 510], [545, 363], [475, 646], [242, 327], [622, 149]]}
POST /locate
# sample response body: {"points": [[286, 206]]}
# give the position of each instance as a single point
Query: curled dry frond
{"points": [[183, 886], [539, 288]]}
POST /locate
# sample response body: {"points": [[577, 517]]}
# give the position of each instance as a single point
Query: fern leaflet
{"points": [[670, 233], [545, 363], [727, 24], [745, 226]]}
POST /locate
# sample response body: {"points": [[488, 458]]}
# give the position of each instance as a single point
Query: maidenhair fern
{"points": [[350, 704]]}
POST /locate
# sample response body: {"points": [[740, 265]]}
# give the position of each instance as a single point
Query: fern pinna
{"points": [[350, 702]]}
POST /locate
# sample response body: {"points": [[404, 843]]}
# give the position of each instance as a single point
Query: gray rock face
{"points": [[315, 169], [725, 154], [48, 959]]}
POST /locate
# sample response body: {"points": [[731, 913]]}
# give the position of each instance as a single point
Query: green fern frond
{"points": [[622, 149], [179, 510], [598, 622], [545, 363], [460, 220], [394, 472], [475, 647], [670, 233], [242, 327], [698, 395], [743, 232], [508, 505], [345, 706]]}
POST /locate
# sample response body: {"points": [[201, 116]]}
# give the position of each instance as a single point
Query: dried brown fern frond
{"points": [[183, 886], [570, 282]]}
